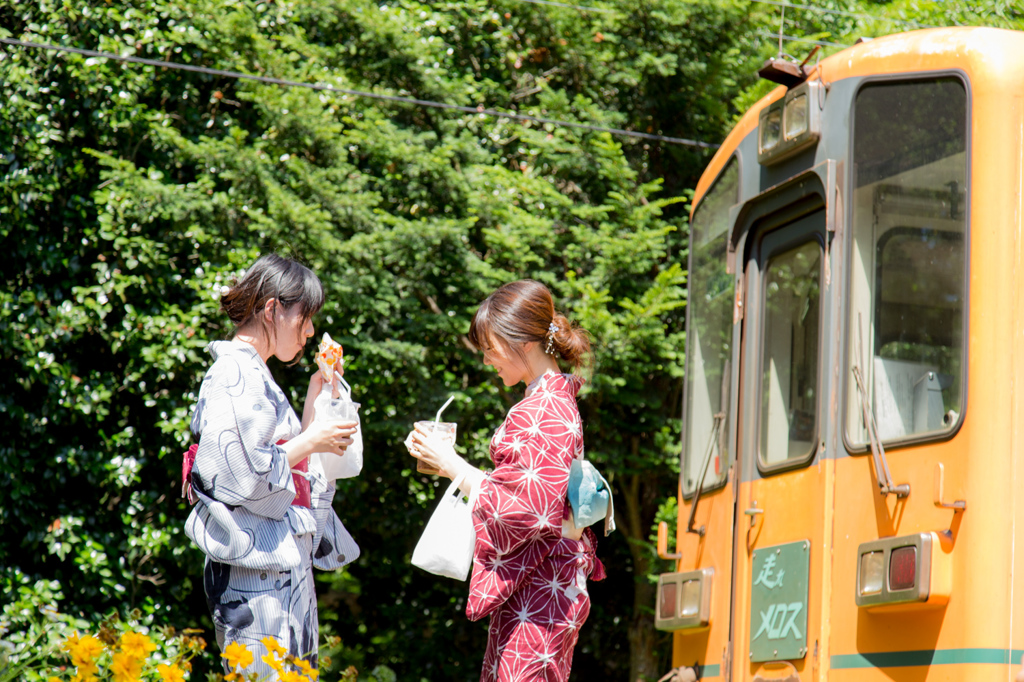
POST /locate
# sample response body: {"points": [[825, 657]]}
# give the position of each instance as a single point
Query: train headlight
{"points": [[790, 125], [684, 600], [771, 128], [872, 571], [796, 117], [911, 569]]}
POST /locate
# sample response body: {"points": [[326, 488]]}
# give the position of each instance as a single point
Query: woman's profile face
{"points": [[291, 331], [511, 366]]}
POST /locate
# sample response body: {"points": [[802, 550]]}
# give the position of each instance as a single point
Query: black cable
{"points": [[825, 10], [809, 8], [357, 93], [581, 8], [794, 39]]}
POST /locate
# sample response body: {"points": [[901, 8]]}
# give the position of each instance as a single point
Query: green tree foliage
{"points": [[131, 195]]}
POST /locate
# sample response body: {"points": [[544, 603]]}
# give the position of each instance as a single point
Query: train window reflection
{"points": [[709, 335], [908, 274], [789, 365]]}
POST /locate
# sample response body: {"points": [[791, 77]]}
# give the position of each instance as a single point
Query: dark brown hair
{"points": [[522, 311], [273, 277]]}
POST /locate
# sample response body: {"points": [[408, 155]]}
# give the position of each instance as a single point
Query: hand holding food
{"points": [[330, 358]]}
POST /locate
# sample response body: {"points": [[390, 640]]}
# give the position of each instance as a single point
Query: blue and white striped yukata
{"points": [[260, 548]]}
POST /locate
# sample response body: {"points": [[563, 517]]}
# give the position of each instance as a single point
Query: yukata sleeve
{"points": [[238, 462], [520, 504]]}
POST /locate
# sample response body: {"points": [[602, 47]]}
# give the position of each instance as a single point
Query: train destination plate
{"points": [[778, 602]]}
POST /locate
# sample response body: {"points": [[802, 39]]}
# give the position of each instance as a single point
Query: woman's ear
{"points": [[269, 310]]}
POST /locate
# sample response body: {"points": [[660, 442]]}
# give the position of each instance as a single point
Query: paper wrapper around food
{"points": [[327, 355]]}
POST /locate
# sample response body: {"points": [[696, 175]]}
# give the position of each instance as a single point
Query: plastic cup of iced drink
{"points": [[444, 431]]}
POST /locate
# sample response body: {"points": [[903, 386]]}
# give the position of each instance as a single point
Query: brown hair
{"points": [[522, 311], [272, 277]]}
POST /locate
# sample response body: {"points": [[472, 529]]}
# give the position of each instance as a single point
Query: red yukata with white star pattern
{"points": [[529, 579]]}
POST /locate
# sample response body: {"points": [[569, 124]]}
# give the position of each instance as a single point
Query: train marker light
{"points": [[684, 600], [872, 572], [667, 601], [910, 570], [902, 568]]}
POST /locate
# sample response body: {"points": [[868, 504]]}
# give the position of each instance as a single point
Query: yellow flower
{"points": [[273, 646], [125, 667], [170, 673], [86, 673], [291, 676], [53, 679], [236, 653], [136, 645], [83, 650], [307, 669], [273, 661]]}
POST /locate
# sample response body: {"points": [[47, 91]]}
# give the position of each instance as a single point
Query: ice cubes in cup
{"points": [[444, 431]]}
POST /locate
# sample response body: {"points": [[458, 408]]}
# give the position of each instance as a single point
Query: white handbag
{"points": [[446, 546]]}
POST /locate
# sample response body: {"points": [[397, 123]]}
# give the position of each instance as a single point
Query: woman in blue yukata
{"points": [[264, 516]]}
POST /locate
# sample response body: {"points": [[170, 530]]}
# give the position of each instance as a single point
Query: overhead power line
{"points": [[358, 93], [796, 39], [777, 3], [581, 8], [825, 10]]}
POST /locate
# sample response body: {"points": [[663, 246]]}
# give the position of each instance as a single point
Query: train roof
{"points": [[978, 51]]}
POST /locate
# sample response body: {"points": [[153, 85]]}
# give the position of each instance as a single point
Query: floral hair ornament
{"points": [[552, 330]]}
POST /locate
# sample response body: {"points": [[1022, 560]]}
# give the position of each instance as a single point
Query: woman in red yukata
{"points": [[531, 563]]}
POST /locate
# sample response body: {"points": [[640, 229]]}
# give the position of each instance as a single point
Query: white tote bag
{"points": [[446, 546], [324, 408]]}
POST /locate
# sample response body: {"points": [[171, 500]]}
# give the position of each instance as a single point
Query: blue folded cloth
{"points": [[590, 496]]}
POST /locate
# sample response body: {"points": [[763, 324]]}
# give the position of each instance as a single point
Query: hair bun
{"points": [[571, 342]]}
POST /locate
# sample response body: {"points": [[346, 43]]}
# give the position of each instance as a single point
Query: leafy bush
{"points": [[40, 643]]}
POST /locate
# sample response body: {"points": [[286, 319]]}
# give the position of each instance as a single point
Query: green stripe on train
{"points": [[902, 659]]}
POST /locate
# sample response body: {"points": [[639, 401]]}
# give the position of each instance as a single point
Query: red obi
{"points": [[303, 494]]}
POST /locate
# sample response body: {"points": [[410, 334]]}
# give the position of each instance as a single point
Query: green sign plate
{"points": [[778, 602]]}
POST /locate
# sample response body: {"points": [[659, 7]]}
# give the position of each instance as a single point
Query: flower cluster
{"points": [[128, 656], [287, 668]]}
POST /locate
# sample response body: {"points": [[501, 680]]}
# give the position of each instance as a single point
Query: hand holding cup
{"points": [[332, 436], [432, 443]]}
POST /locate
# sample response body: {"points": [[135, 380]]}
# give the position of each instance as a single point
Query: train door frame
{"points": [[814, 190]]}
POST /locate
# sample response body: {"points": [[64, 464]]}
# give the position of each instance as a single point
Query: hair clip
{"points": [[552, 330]]}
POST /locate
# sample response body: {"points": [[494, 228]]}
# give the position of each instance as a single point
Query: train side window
{"points": [[908, 268], [709, 336], [789, 358]]}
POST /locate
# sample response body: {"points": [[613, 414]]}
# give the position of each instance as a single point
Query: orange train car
{"points": [[851, 478]]}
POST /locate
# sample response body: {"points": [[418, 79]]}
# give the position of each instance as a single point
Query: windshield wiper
{"points": [[886, 486], [715, 430]]}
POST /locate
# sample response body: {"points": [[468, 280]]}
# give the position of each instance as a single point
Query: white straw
{"points": [[344, 383], [448, 402]]}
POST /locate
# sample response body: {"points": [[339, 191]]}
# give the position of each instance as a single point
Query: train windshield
{"points": [[908, 275], [709, 336], [789, 361]]}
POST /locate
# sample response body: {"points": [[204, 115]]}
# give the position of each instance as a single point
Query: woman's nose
{"points": [[309, 328]]}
